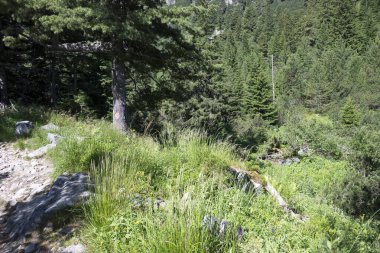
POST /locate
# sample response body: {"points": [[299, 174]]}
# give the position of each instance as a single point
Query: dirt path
{"points": [[20, 181]]}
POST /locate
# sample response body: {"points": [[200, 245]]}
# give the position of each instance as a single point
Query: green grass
{"points": [[9, 117], [127, 168]]}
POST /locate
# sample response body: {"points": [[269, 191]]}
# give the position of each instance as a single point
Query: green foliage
{"points": [[9, 117], [250, 132], [188, 170], [313, 130], [366, 148], [349, 114]]}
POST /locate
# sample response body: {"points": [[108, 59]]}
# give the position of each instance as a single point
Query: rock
{"points": [[31, 248], [185, 201], [159, 204], [304, 150], [66, 231], [53, 138], [23, 128], [41, 151], [245, 183], [67, 191], [75, 248], [140, 202], [219, 227], [50, 127], [289, 161]]}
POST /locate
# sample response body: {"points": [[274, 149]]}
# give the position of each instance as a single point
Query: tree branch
{"points": [[83, 47]]}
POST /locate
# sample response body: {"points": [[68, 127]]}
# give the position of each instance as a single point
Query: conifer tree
{"points": [[349, 114], [133, 34]]}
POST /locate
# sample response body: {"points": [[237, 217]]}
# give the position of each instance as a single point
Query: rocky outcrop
{"points": [[67, 191]]}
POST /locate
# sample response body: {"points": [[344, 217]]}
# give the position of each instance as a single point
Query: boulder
{"points": [[67, 191], [50, 127], [23, 128], [53, 138]]}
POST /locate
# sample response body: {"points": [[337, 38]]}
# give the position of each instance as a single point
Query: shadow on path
{"points": [[4, 176]]}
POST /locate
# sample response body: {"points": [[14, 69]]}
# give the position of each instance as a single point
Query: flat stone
{"points": [[50, 127], [67, 191], [41, 151]]}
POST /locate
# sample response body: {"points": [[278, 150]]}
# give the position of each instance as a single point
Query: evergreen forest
{"points": [[202, 125]]}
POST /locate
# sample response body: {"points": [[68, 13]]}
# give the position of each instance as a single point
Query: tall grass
{"points": [[117, 224], [187, 170]]}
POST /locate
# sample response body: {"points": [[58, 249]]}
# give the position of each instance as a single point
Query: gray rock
{"points": [[304, 150], [23, 127], [159, 204], [245, 183], [66, 231], [289, 161], [67, 191], [218, 227], [54, 138], [50, 127], [170, 2], [31, 248], [140, 202], [75, 248], [41, 151]]}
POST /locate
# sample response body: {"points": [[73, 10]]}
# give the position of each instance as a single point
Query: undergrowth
{"points": [[186, 173]]}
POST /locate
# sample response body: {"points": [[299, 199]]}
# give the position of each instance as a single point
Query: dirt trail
{"points": [[20, 181]]}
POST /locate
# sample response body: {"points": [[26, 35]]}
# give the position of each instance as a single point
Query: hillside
{"points": [[190, 126]]}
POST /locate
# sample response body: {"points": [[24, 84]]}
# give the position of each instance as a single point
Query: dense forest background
{"points": [[267, 75]]}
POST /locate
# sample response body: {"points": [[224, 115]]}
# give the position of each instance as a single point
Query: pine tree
{"points": [[349, 113], [137, 34]]}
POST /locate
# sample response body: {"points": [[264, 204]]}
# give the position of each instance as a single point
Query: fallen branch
{"points": [[254, 179]]}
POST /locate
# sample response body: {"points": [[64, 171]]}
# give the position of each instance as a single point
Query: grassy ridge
{"points": [[187, 170]]}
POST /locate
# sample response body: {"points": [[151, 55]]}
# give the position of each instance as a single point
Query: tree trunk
{"points": [[3, 88], [52, 84], [118, 92], [75, 80]]}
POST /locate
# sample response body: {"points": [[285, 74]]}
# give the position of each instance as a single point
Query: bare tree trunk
{"points": [[75, 80], [52, 84], [3, 88], [118, 92]]}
